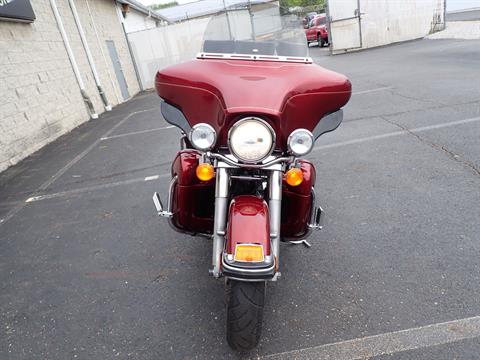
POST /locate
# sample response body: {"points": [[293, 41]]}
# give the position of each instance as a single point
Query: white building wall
{"points": [[39, 96], [154, 49], [136, 21], [386, 22], [382, 22], [157, 48]]}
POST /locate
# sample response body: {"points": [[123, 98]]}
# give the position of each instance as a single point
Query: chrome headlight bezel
{"points": [[306, 133], [262, 123], [212, 132]]}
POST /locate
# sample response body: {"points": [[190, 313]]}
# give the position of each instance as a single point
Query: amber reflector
{"points": [[205, 172], [249, 252], [294, 177]]}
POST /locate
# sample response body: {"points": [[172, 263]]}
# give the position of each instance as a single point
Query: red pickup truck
{"points": [[317, 30]]}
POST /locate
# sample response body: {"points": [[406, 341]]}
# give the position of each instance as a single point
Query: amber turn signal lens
{"points": [[294, 177], [205, 172], [249, 252]]}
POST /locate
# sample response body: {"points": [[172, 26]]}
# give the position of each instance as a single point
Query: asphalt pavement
{"points": [[465, 15], [89, 272]]}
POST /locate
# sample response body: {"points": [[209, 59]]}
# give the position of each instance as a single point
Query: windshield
{"points": [[255, 30]]}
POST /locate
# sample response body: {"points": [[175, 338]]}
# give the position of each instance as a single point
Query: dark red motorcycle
{"points": [[249, 107]]}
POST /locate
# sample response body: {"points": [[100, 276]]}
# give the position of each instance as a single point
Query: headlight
{"points": [[300, 142], [203, 136], [251, 139]]}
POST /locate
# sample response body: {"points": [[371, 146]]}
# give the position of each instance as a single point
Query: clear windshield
{"points": [[257, 29]]}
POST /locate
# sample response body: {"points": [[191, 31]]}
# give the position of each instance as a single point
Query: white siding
{"points": [[383, 21], [136, 21]]}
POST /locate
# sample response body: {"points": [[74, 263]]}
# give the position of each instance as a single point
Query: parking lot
{"points": [[89, 272]]}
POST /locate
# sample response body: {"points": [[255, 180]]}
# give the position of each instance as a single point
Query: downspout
{"points": [[108, 107], [329, 27], [71, 57], [134, 62], [100, 45], [444, 14]]}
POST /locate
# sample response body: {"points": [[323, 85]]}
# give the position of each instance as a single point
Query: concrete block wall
{"points": [[40, 98]]}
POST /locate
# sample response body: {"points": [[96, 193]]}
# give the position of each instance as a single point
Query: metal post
{"points": [[137, 74], [251, 20]]}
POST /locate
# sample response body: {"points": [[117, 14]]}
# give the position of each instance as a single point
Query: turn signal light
{"points": [[249, 252], [294, 177], [205, 172]]}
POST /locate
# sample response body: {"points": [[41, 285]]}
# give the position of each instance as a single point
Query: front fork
{"points": [[220, 219], [221, 211], [275, 209]]}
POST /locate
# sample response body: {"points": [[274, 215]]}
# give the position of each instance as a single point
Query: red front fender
{"points": [[248, 222]]}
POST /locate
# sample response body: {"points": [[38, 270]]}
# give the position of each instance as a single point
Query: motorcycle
{"points": [[250, 107]]}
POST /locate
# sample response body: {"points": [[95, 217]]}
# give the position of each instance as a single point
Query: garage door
{"points": [[345, 30]]}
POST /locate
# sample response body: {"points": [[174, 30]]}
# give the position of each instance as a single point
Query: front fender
{"points": [[248, 223]]}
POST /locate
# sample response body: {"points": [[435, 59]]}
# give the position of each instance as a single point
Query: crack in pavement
{"points": [[434, 145], [411, 111], [428, 101]]}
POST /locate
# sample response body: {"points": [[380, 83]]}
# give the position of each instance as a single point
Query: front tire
{"points": [[245, 302], [320, 41]]}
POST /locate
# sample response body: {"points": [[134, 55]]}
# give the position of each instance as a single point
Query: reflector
{"points": [[249, 252]]}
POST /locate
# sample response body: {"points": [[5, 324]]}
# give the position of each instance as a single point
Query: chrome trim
{"points": [[249, 280], [328, 123], [296, 131], [270, 269], [313, 222], [222, 184], [183, 142], [158, 203], [245, 177], [275, 210], [264, 166], [291, 59], [208, 126], [263, 122], [220, 219]]}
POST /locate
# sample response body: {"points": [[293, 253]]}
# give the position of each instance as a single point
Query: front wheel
{"points": [[321, 42], [245, 302]]}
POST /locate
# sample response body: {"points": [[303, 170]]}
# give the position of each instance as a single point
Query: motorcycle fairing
{"points": [[218, 92]]}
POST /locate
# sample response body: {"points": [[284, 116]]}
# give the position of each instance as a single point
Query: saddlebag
{"points": [[297, 203], [193, 199]]}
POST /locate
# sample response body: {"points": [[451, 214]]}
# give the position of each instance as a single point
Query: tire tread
{"points": [[245, 302]]}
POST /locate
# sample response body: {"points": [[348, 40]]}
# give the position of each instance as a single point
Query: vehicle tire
{"points": [[245, 302], [321, 42]]}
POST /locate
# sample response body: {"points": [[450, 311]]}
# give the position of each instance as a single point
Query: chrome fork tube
{"points": [[220, 219], [275, 208]]}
